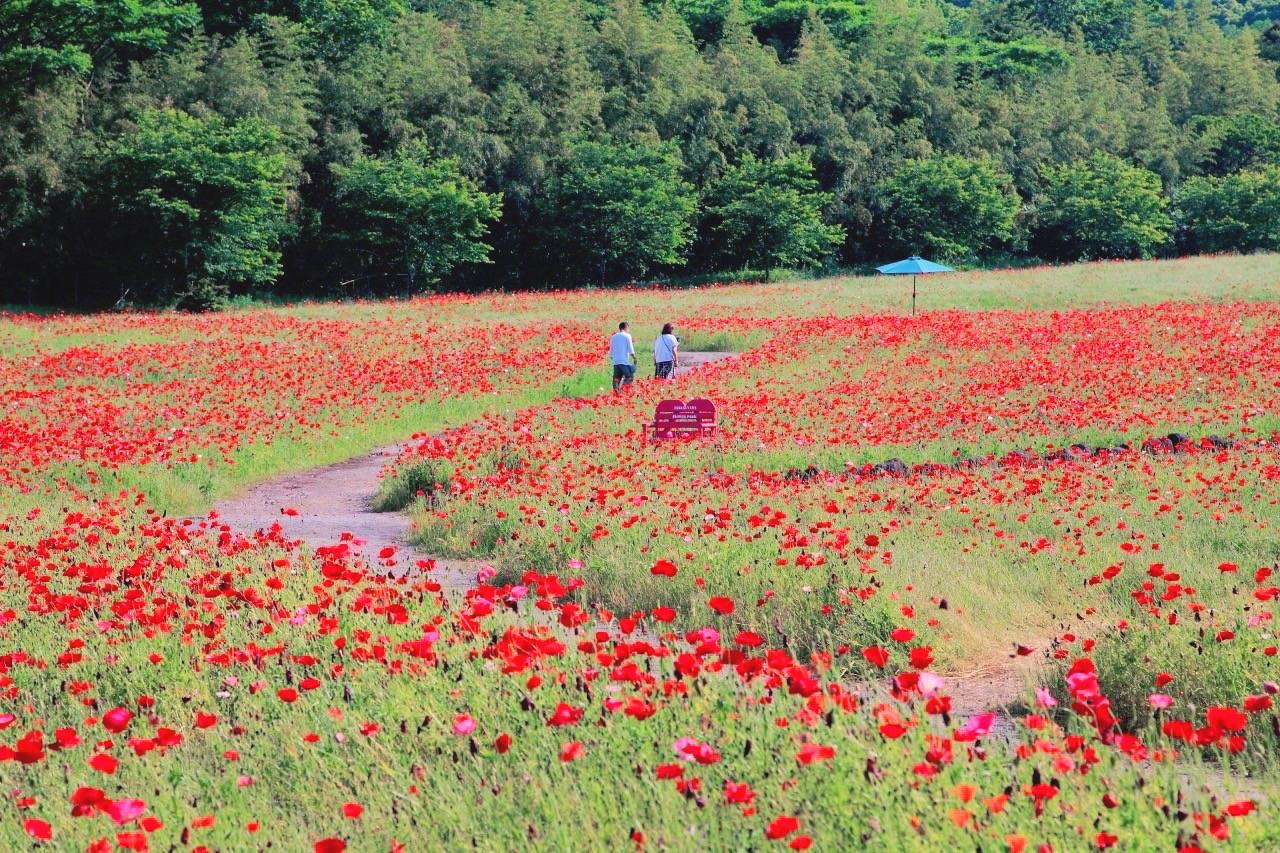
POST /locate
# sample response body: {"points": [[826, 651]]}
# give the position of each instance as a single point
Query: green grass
{"points": [[1197, 279], [191, 488]]}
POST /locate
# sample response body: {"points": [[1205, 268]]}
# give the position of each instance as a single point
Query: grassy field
{"points": [[748, 643]]}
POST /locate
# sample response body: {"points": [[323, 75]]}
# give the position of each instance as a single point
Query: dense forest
{"points": [[184, 153]]}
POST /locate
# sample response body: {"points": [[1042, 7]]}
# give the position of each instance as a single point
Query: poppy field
{"points": [[1002, 576]]}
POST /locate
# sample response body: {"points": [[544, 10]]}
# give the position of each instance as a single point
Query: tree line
{"points": [[183, 153]]}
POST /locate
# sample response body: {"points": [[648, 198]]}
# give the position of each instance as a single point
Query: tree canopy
{"points": [[623, 207], [412, 213], [950, 206], [1236, 212], [766, 214], [1101, 207], [193, 207], [41, 38], [380, 144]]}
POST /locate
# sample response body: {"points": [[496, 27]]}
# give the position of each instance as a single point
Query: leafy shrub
{"points": [[949, 206], [1236, 212], [190, 208], [623, 207], [1228, 144], [1101, 207], [768, 214], [428, 478], [413, 213]]}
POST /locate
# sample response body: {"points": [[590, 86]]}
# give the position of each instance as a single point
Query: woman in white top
{"points": [[666, 353]]}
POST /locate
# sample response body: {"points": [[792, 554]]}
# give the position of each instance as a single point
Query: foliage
{"points": [[1238, 212], [1246, 12], [949, 206], [197, 205], [1230, 143], [768, 214], [508, 88], [340, 27], [781, 22], [1000, 59], [1101, 207], [1105, 24], [623, 206], [777, 22], [412, 213], [38, 138], [50, 37], [1269, 45]]}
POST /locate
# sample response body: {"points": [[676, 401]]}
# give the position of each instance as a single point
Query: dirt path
{"points": [[335, 499], [332, 500]]}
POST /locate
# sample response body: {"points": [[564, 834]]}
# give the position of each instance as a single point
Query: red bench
{"points": [[677, 419]]}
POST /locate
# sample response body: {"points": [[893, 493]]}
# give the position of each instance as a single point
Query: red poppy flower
{"points": [[664, 568], [781, 827], [876, 656], [721, 604], [37, 829], [116, 720]]}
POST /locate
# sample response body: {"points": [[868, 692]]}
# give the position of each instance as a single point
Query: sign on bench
{"points": [[677, 419]]}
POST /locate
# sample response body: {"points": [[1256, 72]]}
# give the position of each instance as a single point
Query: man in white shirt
{"points": [[622, 352], [666, 353]]}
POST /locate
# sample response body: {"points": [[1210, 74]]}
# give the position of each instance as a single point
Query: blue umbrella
{"points": [[912, 266]]}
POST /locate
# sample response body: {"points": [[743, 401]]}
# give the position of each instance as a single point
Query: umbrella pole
{"points": [[913, 296]]}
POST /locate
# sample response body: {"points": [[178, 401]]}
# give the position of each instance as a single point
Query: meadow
{"points": [[1050, 625]]}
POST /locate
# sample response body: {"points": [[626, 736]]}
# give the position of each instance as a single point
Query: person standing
{"points": [[622, 353], [666, 353]]}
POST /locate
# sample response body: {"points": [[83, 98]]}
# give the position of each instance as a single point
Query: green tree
{"points": [[40, 38], [893, 102], [416, 86], [1101, 207], [39, 147], [260, 76], [1269, 45], [412, 213], [654, 82], [974, 58], [340, 27], [758, 95], [1219, 73], [230, 17], [622, 206], [949, 206], [1231, 143], [1105, 24], [836, 121], [1239, 212], [530, 61], [769, 214], [189, 209]]}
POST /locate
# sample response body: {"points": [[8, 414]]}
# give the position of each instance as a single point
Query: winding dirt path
{"points": [[335, 499]]}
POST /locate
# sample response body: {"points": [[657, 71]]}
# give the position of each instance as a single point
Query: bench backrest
{"points": [[706, 411], [666, 410]]}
